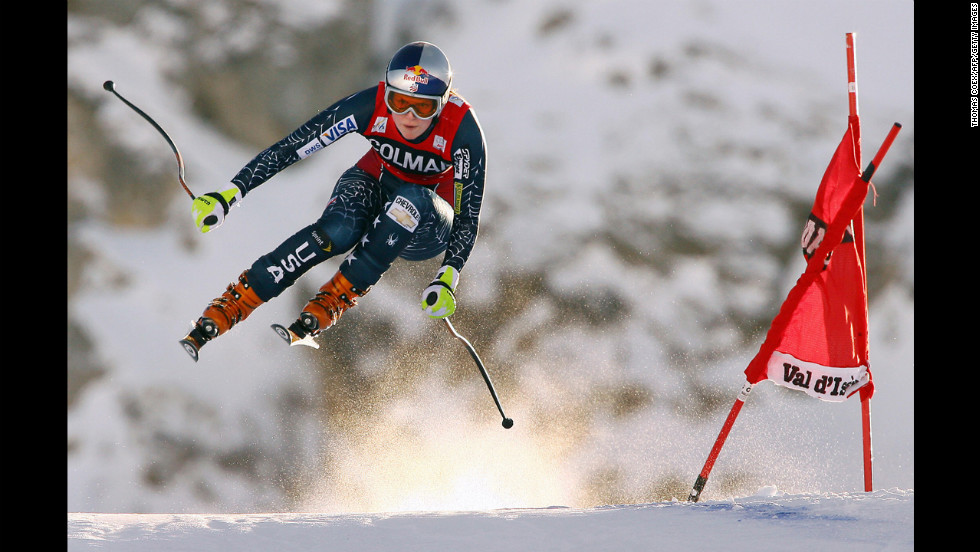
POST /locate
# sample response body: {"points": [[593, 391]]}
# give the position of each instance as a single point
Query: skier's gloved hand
{"points": [[209, 210], [439, 299]]}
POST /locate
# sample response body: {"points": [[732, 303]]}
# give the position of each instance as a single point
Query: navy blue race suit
{"points": [[409, 199]]}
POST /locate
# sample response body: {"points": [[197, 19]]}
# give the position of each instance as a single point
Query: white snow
{"points": [[766, 521], [430, 471]]}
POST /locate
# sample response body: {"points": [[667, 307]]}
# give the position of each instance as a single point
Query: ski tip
{"points": [[190, 348], [307, 341]]}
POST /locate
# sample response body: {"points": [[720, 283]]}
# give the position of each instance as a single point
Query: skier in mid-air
{"points": [[416, 193]]}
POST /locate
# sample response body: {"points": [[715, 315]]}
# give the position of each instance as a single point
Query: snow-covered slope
{"points": [[651, 164], [765, 521]]}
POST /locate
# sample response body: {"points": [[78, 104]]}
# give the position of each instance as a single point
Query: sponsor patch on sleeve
{"points": [[329, 136], [461, 163]]}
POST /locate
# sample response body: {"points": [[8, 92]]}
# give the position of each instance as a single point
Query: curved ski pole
{"points": [[507, 422], [111, 87]]}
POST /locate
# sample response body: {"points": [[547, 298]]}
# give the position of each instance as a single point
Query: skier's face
{"points": [[410, 126]]}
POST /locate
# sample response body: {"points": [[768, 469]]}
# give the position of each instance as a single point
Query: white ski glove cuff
{"points": [[209, 210], [439, 299]]}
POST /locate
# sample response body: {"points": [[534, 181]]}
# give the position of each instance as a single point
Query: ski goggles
{"points": [[425, 107]]}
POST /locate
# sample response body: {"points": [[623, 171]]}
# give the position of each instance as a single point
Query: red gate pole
{"points": [[866, 397], [854, 119], [866, 440], [719, 442]]}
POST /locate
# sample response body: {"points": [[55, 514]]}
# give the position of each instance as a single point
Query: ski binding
{"points": [[291, 337]]}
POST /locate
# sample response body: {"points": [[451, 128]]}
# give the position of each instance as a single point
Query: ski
{"points": [[293, 338], [193, 342]]}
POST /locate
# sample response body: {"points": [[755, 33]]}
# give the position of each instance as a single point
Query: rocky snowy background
{"points": [[651, 165]]}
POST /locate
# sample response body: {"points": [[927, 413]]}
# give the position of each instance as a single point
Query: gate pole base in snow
{"points": [[719, 442]]}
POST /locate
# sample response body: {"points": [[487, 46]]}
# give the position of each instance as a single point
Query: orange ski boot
{"points": [[322, 312], [233, 306]]}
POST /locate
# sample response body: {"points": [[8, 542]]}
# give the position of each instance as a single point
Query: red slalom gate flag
{"points": [[818, 343]]}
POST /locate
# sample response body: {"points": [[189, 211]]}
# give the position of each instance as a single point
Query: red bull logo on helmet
{"points": [[416, 74]]}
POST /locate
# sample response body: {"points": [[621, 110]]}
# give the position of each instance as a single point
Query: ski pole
{"points": [[111, 87], [507, 422]]}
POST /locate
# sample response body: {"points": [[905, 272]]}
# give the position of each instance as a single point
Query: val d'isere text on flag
{"points": [[818, 342]]}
